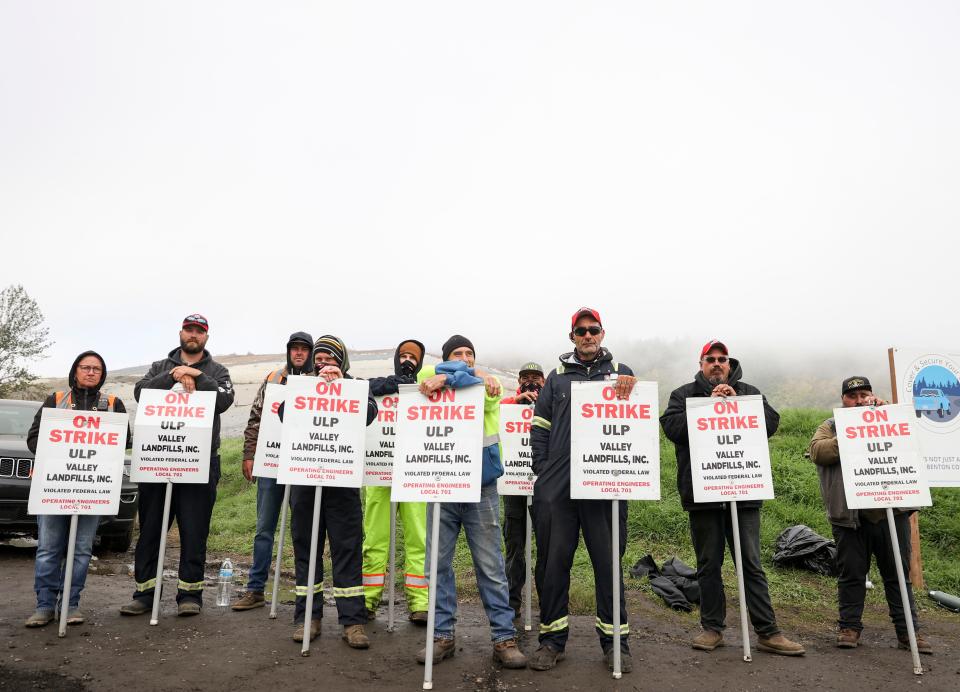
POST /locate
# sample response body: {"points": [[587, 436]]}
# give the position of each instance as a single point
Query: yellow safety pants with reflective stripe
{"points": [[608, 628], [555, 626]]}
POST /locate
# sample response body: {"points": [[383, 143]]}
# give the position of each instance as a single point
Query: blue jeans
{"points": [[269, 499], [481, 522], [53, 531]]}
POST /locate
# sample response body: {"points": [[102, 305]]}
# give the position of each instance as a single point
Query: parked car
{"points": [[932, 400], [16, 466]]}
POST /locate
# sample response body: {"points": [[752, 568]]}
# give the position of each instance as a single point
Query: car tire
{"points": [[118, 542], [919, 414], [940, 412]]}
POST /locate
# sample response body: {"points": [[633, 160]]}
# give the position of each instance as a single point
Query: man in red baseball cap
{"points": [[558, 519], [710, 526], [192, 367]]}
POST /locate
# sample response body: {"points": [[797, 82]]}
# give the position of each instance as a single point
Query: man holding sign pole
{"points": [[480, 521], [269, 494], [558, 519], [85, 380], [341, 518], [710, 522], [861, 533], [529, 383], [379, 514], [192, 368]]}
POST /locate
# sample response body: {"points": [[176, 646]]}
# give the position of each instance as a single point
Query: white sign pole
{"points": [[68, 577], [393, 562], [164, 525], [615, 540], [432, 596], [528, 584], [744, 628], [276, 572], [904, 596], [311, 571]]}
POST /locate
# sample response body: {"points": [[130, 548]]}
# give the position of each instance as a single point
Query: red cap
{"points": [[585, 311], [197, 320], [712, 344]]}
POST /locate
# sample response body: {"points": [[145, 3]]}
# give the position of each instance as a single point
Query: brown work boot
{"points": [[778, 644], [314, 630], [39, 618], [923, 646], [544, 658], [848, 638], [508, 655], [707, 640], [249, 601], [419, 617], [355, 637], [442, 648]]}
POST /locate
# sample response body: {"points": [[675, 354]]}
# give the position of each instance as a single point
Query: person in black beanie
{"points": [[341, 519]]}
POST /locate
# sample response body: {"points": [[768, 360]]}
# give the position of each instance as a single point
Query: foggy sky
{"points": [[780, 176]]}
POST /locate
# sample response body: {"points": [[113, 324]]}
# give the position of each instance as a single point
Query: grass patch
{"points": [[661, 528]]}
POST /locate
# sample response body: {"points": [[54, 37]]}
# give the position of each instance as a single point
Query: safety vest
{"points": [[65, 400], [275, 377]]}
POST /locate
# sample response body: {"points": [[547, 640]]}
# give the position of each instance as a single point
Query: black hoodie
{"points": [[380, 386], [82, 399], [213, 378], [674, 424]]}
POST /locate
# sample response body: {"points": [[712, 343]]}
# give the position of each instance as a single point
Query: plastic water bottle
{"points": [[948, 601], [225, 584]]}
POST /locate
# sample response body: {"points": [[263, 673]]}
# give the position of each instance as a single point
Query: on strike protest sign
{"points": [[517, 478], [729, 455], [79, 463], [440, 445], [880, 458], [381, 441], [614, 444], [266, 459], [324, 432], [172, 436]]}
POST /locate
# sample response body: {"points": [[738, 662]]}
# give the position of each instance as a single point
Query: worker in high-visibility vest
{"points": [[407, 361], [86, 379], [269, 494]]}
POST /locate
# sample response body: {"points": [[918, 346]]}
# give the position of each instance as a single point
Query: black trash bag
{"points": [[665, 588], [801, 547], [675, 567], [645, 567]]}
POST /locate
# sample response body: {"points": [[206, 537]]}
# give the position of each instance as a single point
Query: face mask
{"points": [[408, 368], [531, 387]]}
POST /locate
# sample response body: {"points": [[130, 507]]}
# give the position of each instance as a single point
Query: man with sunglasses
{"points": [[710, 527], [193, 368], [529, 383], [558, 519]]}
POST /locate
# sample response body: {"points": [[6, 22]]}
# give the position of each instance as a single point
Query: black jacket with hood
{"points": [[213, 378], [550, 431], [252, 432], [82, 399], [674, 424], [380, 386]]}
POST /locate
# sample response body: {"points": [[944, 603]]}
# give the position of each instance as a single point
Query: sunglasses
{"points": [[583, 331], [716, 359], [196, 319]]}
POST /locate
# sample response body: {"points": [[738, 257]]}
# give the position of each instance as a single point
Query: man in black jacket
{"points": [[557, 519], [85, 380], [341, 518], [710, 526], [193, 368]]}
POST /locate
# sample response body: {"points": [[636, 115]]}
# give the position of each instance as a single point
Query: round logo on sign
{"points": [[933, 381]]}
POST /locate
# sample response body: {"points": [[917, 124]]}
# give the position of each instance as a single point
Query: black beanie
{"points": [[332, 345], [454, 342]]}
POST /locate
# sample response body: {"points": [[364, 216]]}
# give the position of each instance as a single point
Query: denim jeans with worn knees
{"points": [[481, 523]]}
